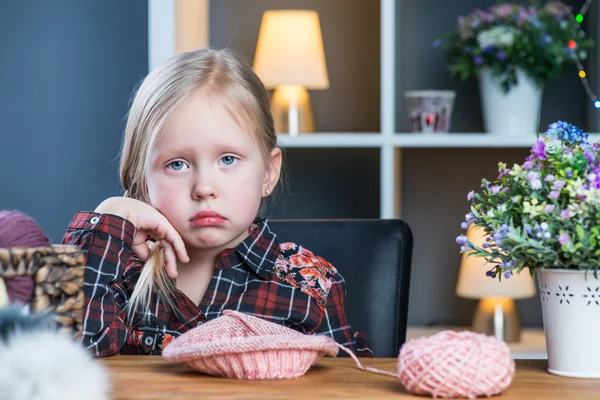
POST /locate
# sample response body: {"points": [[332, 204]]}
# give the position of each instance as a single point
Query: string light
{"points": [[572, 45]]}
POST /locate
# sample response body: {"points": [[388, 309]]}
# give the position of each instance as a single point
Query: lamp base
{"points": [[499, 317], [292, 110]]}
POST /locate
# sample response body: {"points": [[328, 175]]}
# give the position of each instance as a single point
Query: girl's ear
{"points": [[273, 172]]}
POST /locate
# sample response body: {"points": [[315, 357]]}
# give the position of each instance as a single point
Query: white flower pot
{"points": [[513, 113], [571, 314]]}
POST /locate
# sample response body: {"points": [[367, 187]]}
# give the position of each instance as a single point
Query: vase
{"points": [[513, 113], [571, 314]]}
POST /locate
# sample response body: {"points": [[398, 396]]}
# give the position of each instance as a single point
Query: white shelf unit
{"points": [[407, 140], [165, 18]]}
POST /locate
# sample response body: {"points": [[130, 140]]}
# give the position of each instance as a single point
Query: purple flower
{"points": [[549, 208], [554, 194], [462, 240], [471, 195], [569, 173], [539, 149], [501, 55], [547, 39], [565, 214], [488, 49], [478, 60], [564, 239], [528, 165], [495, 189], [559, 184], [536, 184], [589, 156], [549, 178], [533, 176], [507, 274]]}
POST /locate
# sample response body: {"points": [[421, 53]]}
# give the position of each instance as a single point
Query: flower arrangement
{"points": [[542, 41], [544, 213]]}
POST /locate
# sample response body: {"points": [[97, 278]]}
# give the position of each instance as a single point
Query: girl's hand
{"points": [[148, 222]]}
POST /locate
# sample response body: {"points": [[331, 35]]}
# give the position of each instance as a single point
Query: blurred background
{"points": [[68, 69]]}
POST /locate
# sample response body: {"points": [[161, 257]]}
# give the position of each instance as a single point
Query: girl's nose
{"points": [[204, 186]]}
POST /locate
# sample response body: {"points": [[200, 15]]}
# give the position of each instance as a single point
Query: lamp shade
{"points": [[473, 283], [290, 50]]}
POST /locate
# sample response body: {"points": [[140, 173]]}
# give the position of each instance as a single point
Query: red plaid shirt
{"points": [[279, 282]]}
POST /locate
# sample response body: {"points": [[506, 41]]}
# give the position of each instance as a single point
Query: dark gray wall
{"points": [[420, 66], [351, 37], [329, 183], [67, 68]]}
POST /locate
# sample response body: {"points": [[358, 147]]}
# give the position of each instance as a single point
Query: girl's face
{"points": [[207, 175]]}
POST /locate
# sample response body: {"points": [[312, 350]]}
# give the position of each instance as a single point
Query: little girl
{"points": [[199, 157]]}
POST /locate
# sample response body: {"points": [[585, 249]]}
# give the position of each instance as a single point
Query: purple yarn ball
{"points": [[20, 230]]}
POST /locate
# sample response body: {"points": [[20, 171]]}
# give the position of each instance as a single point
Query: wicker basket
{"points": [[57, 273]]}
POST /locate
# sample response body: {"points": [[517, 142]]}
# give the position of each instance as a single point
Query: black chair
{"points": [[374, 257]]}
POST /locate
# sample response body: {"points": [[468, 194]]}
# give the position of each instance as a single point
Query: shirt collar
{"points": [[260, 249]]}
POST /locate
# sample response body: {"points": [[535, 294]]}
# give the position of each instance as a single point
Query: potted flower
{"points": [[544, 215], [514, 51]]}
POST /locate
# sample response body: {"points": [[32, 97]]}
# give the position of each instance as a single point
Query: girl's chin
{"points": [[207, 240]]}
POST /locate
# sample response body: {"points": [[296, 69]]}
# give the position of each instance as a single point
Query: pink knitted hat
{"points": [[241, 346]]}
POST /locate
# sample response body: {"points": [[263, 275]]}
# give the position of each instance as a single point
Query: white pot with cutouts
{"points": [[571, 312]]}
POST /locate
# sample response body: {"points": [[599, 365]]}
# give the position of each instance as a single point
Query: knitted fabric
{"points": [[453, 365], [456, 364], [241, 346], [448, 364]]}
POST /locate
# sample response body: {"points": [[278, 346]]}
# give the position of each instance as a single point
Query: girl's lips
{"points": [[207, 218], [208, 221]]}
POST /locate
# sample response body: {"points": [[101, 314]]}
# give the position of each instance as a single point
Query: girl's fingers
{"points": [[178, 247], [142, 250], [170, 258], [163, 229]]}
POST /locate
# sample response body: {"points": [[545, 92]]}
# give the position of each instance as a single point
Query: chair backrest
{"points": [[374, 257]]}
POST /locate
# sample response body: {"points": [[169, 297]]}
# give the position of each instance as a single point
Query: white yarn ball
{"points": [[49, 365]]}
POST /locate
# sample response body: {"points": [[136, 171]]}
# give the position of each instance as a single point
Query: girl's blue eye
{"points": [[228, 160], [177, 165]]}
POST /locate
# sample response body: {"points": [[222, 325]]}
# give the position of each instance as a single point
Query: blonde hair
{"points": [[216, 72]]}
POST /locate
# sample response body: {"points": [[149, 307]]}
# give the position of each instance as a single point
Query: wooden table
{"points": [[150, 377]]}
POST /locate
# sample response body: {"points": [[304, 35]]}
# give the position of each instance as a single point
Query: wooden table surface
{"points": [[150, 377]]}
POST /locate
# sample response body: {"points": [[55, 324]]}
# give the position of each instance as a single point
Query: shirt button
{"points": [[94, 220], [148, 341]]}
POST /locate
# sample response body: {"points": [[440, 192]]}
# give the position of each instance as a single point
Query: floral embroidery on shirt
{"points": [[166, 339], [303, 269], [288, 246]]}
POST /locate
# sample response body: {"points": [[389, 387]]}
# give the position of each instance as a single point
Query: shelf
{"points": [[334, 140], [408, 140]]}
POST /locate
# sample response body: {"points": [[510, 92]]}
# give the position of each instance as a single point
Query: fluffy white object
{"points": [[49, 365]]}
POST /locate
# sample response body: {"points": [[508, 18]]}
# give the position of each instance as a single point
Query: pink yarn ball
{"points": [[456, 365], [20, 230]]}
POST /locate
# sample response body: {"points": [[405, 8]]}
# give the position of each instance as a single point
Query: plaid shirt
{"points": [[282, 283]]}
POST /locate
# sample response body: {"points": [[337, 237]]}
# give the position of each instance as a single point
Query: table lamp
{"points": [[496, 313], [290, 59]]}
